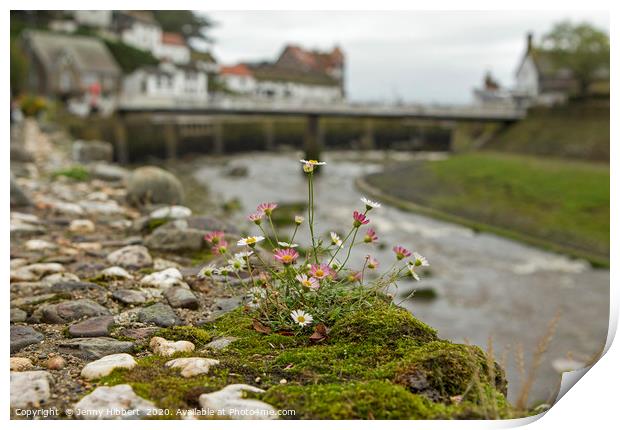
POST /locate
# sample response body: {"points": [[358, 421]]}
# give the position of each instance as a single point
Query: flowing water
{"points": [[487, 286]]}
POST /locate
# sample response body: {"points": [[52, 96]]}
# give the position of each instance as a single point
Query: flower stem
{"points": [[311, 215]]}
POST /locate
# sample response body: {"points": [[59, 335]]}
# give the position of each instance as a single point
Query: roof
{"points": [[313, 59], [172, 39], [267, 72], [89, 54], [205, 56], [145, 16], [239, 70]]}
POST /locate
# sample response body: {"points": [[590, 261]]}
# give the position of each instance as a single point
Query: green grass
{"points": [[559, 204]]}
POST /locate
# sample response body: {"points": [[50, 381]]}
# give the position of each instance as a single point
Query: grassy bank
{"points": [[557, 204], [579, 130]]}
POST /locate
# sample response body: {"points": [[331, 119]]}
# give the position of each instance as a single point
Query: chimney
{"points": [[530, 38]]}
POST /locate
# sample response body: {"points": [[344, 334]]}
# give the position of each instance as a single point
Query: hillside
{"points": [[578, 130]]}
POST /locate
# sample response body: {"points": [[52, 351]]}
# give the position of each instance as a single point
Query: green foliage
{"points": [[77, 173], [580, 47], [128, 57], [563, 204], [185, 22], [32, 105], [19, 68]]}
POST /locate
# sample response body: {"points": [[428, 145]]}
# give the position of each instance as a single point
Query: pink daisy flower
{"points": [[221, 247], [321, 271], [214, 237], [371, 262], [266, 208], [359, 219], [286, 256], [354, 277], [371, 236], [311, 283], [256, 217], [401, 252]]}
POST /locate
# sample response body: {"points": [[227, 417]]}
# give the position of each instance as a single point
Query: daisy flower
{"points": [[214, 237], [371, 236], [220, 248], [370, 204], [244, 255], [412, 271], [256, 217], [311, 283], [371, 262], [309, 165], [401, 252], [299, 219], [236, 264], [354, 277], [250, 241], [266, 208], [335, 239], [302, 318], [208, 271], [321, 271], [257, 292], [420, 260], [286, 256], [288, 245], [359, 219]]}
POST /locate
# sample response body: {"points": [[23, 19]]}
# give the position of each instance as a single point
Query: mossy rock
{"points": [[153, 185], [378, 362]]}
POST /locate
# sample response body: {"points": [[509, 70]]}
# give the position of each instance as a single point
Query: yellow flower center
{"points": [[301, 319], [320, 272]]}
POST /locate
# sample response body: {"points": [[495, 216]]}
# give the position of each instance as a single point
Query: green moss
{"points": [[77, 173], [152, 224]]}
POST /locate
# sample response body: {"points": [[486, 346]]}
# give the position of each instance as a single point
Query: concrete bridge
{"points": [[182, 119]]}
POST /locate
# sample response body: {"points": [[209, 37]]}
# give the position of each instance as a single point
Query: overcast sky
{"points": [[415, 56]]}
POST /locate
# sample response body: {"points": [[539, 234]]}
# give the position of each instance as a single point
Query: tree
{"points": [[189, 24], [19, 68], [581, 48]]}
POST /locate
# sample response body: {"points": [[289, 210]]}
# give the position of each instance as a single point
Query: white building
{"points": [[140, 30], [167, 83], [172, 47], [93, 18], [238, 79]]}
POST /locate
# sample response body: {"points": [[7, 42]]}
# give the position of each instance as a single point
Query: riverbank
{"points": [[555, 204], [109, 314]]}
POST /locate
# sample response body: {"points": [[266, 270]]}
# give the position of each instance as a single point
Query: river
{"points": [[487, 286]]}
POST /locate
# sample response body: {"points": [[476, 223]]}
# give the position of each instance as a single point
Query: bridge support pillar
{"points": [[269, 135], [171, 138], [120, 137], [218, 138], [368, 139], [313, 142]]}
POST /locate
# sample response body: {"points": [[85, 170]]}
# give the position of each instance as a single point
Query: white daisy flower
{"points": [[302, 318], [208, 271], [370, 204], [250, 241], [288, 245], [420, 260], [309, 165], [236, 264], [299, 219], [335, 239], [257, 292], [244, 254], [412, 272]]}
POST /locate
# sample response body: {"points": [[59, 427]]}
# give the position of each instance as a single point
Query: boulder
{"points": [[21, 155], [159, 314], [164, 279], [164, 347], [94, 348], [170, 238], [105, 365], [108, 172], [92, 327], [19, 364], [231, 402], [92, 150], [130, 297], [18, 197], [152, 185], [59, 313], [192, 366], [180, 297], [22, 336], [132, 256], [30, 389], [117, 402], [171, 212]]}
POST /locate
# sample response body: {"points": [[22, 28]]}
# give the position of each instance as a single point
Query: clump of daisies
{"points": [[294, 290]]}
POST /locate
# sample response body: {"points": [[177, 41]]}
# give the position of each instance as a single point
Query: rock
{"points": [[192, 366], [94, 348], [223, 305], [32, 300], [34, 272], [108, 207], [164, 347], [171, 239], [30, 389], [159, 314], [18, 197], [75, 286], [21, 154], [39, 245], [152, 185], [57, 278], [132, 256], [108, 172], [117, 402], [171, 212], [231, 402], [164, 279], [221, 342], [22, 336], [66, 207], [139, 333], [23, 228], [180, 297], [130, 297], [92, 150], [59, 313], [17, 315], [105, 365], [116, 272], [237, 171], [82, 226], [56, 363], [92, 327], [19, 364], [161, 264]]}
